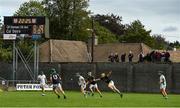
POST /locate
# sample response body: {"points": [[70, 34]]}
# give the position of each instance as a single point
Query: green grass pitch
{"points": [[76, 99]]}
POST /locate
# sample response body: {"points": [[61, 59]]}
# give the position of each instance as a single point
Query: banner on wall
{"points": [[35, 87]]}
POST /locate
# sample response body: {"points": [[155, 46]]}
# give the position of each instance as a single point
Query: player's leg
{"points": [[83, 92], [42, 89], [161, 91], [113, 87], [83, 87], [97, 89], [61, 90], [91, 89], [164, 92], [118, 91], [55, 90]]}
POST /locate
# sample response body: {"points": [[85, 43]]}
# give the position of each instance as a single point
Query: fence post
{"points": [[169, 78], [130, 78]]}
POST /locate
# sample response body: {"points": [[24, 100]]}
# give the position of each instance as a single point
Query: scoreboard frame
{"points": [[31, 25]]}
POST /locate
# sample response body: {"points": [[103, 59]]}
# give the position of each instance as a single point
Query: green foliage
{"points": [[104, 35], [5, 52], [160, 42], [175, 44], [67, 18], [31, 8], [25, 46], [111, 22], [136, 33], [5, 55]]}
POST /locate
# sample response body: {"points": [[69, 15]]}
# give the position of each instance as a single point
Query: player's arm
{"points": [[98, 79], [59, 76], [109, 73], [162, 81], [46, 80], [87, 82], [51, 78]]}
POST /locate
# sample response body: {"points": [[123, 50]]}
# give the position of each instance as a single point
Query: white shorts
{"points": [[57, 86], [162, 86], [42, 85], [93, 86], [111, 83], [83, 86]]}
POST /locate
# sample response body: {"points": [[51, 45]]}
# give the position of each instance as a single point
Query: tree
{"points": [[111, 22], [31, 8], [175, 44], [160, 42], [136, 33], [104, 35], [67, 18]]}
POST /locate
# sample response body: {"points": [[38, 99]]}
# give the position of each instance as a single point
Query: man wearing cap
{"points": [[56, 81], [162, 82]]}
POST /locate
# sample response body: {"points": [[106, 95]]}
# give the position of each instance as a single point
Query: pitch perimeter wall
{"points": [[128, 77]]}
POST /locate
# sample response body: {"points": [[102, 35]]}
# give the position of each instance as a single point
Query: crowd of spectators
{"points": [[154, 56], [115, 57]]}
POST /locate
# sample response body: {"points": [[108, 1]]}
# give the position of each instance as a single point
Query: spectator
{"points": [[123, 57], [111, 57], [163, 56], [158, 56], [116, 57], [152, 56], [148, 57], [167, 56], [130, 56], [141, 57]]}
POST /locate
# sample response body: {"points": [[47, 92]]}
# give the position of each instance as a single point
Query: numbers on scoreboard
{"points": [[38, 29]]}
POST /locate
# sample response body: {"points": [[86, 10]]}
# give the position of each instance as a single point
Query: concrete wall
{"points": [[127, 77]]}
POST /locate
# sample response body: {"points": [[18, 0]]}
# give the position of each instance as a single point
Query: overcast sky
{"points": [[160, 16]]}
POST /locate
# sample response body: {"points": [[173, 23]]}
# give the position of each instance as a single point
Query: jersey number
{"points": [[55, 77]]}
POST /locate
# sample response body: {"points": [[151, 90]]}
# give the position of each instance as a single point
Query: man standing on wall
{"points": [[130, 56], [162, 82]]}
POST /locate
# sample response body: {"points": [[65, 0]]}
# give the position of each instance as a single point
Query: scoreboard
{"points": [[26, 25]]}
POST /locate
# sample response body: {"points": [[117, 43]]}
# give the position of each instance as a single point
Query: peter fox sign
{"points": [[26, 25]]}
